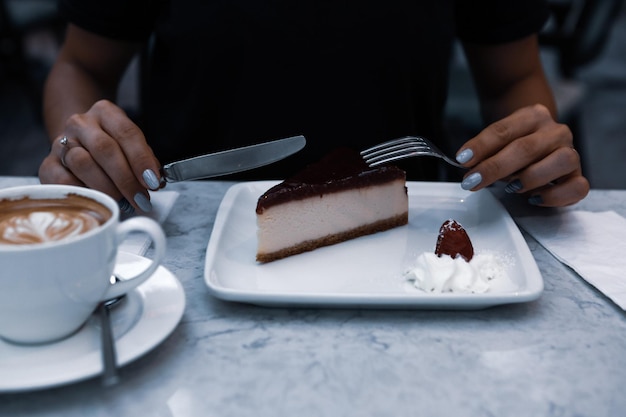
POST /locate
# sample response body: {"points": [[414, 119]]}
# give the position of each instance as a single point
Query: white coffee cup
{"points": [[49, 289]]}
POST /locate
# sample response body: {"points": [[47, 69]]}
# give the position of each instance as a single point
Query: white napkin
{"points": [[162, 203], [591, 243]]}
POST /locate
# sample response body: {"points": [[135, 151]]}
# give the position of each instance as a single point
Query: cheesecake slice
{"points": [[328, 202]]}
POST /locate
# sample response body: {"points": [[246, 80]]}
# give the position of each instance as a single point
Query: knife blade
{"points": [[233, 160]]}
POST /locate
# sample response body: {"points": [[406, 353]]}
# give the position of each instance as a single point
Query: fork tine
{"points": [[395, 152], [394, 156], [394, 149], [401, 148], [383, 146]]}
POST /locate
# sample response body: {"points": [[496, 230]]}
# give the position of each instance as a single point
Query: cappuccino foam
{"points": [[38, 220]]}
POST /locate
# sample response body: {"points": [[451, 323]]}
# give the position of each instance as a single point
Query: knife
{"points": [[233, 160]]}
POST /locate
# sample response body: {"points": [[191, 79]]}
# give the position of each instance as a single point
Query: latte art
{"points": [[39, 227], [28, 221]]}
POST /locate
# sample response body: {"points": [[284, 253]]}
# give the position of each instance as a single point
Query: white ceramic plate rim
{"points": [[154, 310], [234, 277]]}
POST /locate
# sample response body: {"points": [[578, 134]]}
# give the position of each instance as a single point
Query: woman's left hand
{"points": [[533, 153]]}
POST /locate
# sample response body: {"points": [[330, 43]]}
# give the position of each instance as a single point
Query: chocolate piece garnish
{"points": [[454, 241]]}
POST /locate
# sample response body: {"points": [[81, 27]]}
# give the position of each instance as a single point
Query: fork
{"points": [[405, 147]]}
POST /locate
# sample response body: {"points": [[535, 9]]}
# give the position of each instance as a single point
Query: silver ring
{"points": [[64, 150]]}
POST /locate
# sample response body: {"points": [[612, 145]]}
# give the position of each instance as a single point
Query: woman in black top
{"points": [[223, 74]]}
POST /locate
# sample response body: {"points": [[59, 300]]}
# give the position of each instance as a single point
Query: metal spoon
{"points": [[109, 357]]}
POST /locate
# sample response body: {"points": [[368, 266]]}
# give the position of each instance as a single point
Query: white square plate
{"points": [[367, 272]]}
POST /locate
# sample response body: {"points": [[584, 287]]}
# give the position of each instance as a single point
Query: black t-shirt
{"points": [[226, 73]]}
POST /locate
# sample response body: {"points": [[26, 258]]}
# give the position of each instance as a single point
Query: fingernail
{"points": [[464, 156], [535, 200], [151, 179], [125, 206], [142, 201], [514, 186], [471, 181]]}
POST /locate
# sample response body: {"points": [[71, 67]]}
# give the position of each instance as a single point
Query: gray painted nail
{"points": [[142, 201], [151, 179], [535, 200], [125, 206], [464, 156], [471, 181], [514, 186]]}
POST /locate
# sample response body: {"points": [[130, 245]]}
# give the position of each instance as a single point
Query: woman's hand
{"points": [[104, 150], [531, 152]]}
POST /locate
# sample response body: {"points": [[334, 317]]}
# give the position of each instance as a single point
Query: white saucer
{"points": [[145, 317]]}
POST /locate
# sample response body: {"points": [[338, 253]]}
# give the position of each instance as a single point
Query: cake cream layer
{"points": [[347, 213]]}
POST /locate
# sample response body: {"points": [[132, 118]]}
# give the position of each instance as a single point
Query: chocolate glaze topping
{"points": [[340, 170]]}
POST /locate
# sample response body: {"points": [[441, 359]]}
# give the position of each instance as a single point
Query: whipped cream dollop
{"points": [[440, 274]]}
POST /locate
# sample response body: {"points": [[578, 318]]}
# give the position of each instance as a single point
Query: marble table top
{"points": [[561, 355]]}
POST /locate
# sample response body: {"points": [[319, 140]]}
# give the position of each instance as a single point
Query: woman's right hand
{"points": [[104, 150]]}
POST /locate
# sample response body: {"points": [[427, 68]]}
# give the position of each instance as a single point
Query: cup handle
{"points": [[152, 229]]}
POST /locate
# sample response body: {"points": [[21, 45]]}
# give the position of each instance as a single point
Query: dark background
{"points": [[598, 88]]}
